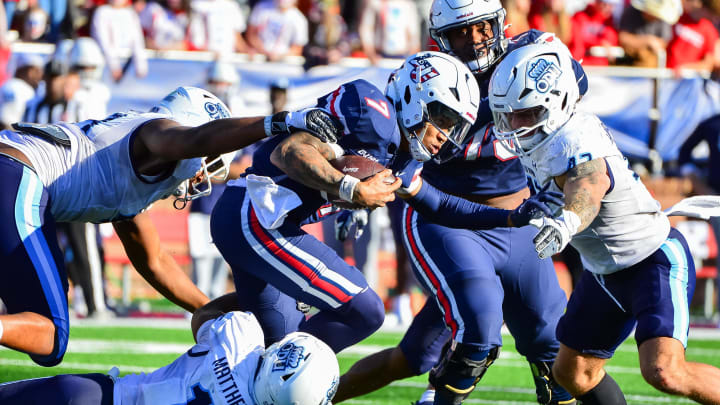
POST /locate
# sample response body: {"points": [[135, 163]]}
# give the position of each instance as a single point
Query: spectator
{"points": [[50, 105], [594, 26], [328, 34], [694, 37], [517, 17], [216, 26], [646, 28], [224, 82], [32, 22], [550, 16], [165, 24], [704, 181], [277, 29], [389, 29], [18, 91], [116, 28], [92, 98]]}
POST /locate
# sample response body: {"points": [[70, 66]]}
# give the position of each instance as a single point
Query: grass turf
{"points": [[507, 382]]}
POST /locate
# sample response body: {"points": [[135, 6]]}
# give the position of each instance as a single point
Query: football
{"points": [[359, 167]]}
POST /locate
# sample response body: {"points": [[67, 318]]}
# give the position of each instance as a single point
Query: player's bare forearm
{"points": [[165, 141], [304, 158], [584, 187], [142, 245], [213, 309]]}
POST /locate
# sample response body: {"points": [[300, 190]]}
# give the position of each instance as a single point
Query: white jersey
{"points": [[630, 225], [220, 368], [93, 179]]}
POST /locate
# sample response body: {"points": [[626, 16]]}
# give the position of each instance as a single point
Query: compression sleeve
{"points": [[448, 210]]}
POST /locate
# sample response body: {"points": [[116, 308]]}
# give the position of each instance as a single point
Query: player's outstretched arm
{"points": [[304, 158], [213, 309], [142, 245], [164, 141], [456, 212]]}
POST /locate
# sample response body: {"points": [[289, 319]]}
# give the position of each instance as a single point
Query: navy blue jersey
{"points": [[371, 131], [484, 167]]}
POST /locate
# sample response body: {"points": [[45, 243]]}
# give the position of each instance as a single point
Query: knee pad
{"points": [[547, 390], [459, 370]]}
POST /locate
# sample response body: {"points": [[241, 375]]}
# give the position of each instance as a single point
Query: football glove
{"points": [[555, 233], [537, 206], [315, 121], [345, 220]]}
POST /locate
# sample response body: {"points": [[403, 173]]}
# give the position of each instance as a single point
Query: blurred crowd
{"points": [[682, 33]]}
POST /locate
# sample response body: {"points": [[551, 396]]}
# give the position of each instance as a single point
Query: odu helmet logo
{"points": [[423, 68], [288, 356], [216, 110], [545, 75]]}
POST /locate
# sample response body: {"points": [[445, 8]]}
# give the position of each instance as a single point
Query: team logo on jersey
{"points": [[288, 356], [216, 110], [422, 70], [545, 74]]}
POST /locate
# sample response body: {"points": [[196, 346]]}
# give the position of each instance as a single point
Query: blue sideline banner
{"points": [[622, 103]]}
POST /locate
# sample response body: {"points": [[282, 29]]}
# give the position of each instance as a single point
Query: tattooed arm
{"points": [[304, 158], [584, 187]]}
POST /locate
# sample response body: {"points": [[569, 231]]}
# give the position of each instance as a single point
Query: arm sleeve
{"points": [[455, 212]]}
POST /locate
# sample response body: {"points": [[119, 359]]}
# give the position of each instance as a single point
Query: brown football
{"points": [[359, 167]]}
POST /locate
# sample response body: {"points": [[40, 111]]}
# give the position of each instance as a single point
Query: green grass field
{"points": [[143, 349]]}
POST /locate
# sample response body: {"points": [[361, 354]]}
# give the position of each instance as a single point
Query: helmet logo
{"points": [[288, 356], [423, 69], [545, 75], [216, 111]]}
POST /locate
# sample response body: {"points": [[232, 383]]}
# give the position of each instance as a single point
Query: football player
{"points": [[229, 365], [639, 273], [107, 170], [478, 278], [430, 102]]}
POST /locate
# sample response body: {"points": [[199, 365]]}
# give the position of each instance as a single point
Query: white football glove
{"points": [[555, 233]]}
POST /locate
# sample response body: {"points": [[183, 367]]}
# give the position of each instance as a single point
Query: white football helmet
{"points": [[446, 15], [192, 106], [298, 370], [87, 57], [533, 93], [428, 86]]}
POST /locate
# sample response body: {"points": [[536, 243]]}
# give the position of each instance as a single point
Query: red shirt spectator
{"points": [[550, 16], [693, 41], [593, 27]]}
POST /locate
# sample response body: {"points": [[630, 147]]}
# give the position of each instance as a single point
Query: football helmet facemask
{"points": [[533, 93], [449, 15], [192, 106], [434, 88]]}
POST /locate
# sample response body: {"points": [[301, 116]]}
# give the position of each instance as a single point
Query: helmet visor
{"points": [[521, 127], [449, 122]]}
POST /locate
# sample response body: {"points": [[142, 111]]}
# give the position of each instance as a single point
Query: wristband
{"points": [[572, 221], [347, 187], [267, 123]]}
